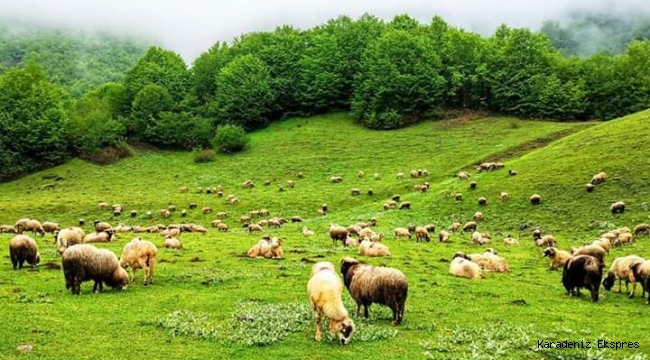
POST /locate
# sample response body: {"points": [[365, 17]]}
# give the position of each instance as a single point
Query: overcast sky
{"points": [[191, 26]]}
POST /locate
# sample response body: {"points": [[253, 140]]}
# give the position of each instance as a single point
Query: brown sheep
{"points": [[430, 228], [422, 234], [381, 285], [482, 201], [603, 243], [400, 233], [558, 257], [206, 210], [582, 271], [455, 227], [215, 222], [546, 241], [222, 227], [338, 232], [405, 205], [140, 254], [325, 289], [84, 262], [598, 178], [254, 228], [535, 199], [624, 239], [617, 207], [621, 270], [7, 229], [443, 236], [592, 250], [23, 249], [641, 273], [642, 229]]}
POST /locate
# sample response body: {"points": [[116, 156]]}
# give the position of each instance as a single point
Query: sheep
{"points": [[477, 238], [123, 229], [558, 257], [233, 201], [117, 209], [512, 172], [306, 232], [32, 225], [504, 196], [463, 175], [338, 232], [248, 184], [400, 175], [149, 215], [164, 213], [102, 206], [222, 227], [206, 210], [472, 185], [274, 223], [101, 226], [361, 174], [598, 178], [458, 197], [641, 274], [405, 205], [462, 266], [336, 179], [355, 192], [103, 236], [592, 250], [296, 219], [254, 228], [582, 271], [376, 176], [617, 207], [443, 236], [173, 232], [642, 229], [604, 243], [139, 229], [400, 233], [430, 228], [373, 249], [171, 208], [490, 261], [478, 216], [381, 285], [140, 254], [364, 232], [270, 249], [352, 242], [422, 234], [291, 184], [84, 262], [183, 189], [264, 212], [537, 234], [589, 187], [324, 207], [546, 241], [68, 237], [455, 227], [621, 271], [7, 229], [535, 199], [510, 241], [215, 222], [50, 227], [469, 226], [23, 249], [482, 201], [376, 237], [414, 174], [324, 290], [321, 212], [172, 243]]}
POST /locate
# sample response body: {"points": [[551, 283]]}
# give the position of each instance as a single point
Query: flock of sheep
{"points": [[81, 261]]}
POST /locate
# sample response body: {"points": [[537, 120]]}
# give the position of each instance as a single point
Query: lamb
{"points": [[641, 274], [470, 226], [535, 199], [546, 241], [23, 249], [101, 226], [422, 234], [355, 192], [7, 229], [172, 243], [478, 216], [481, 239], [598, 178], [325, 289], [583, 271], [462, 266], [621, 271], [306, 232], [68, 237], [558, 257], [338, 232], [373, 249], [165, 213], [443, 236], [510, 241], [84, 262], [642, 229], [405, 205], [140, 254], [592, 250], [369, 284], [103, 236], [400, 233], [617, 207], [482, 201]]}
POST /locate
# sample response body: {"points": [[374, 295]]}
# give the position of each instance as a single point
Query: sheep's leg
{"points": [[319, 330], [631, 294], [365, 311], [145, 268], [619, 285], [358, 310]]}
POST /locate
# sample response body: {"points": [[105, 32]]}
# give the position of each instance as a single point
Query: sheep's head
{"points": [[343, 329], [460, 254], [37, 258], [608, 283], [347, 263], [549, 252]]}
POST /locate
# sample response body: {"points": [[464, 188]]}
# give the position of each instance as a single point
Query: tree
{"points": [[93, 125], [245, 96], [148, 105], [230, 138]]}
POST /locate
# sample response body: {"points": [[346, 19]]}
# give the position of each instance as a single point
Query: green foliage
{"points": [[230, 138], [149, 103], [244, 94], [179, 130], [93, 125], [400, 81]]}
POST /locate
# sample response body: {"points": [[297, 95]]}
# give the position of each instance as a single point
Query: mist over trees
{"points": [[386, 74]]}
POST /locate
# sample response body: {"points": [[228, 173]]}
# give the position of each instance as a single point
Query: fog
{"points": [[189, 27]]}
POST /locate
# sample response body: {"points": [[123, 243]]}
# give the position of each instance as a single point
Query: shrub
{"points": [[203, 156], [230, 138], [109, 154]]}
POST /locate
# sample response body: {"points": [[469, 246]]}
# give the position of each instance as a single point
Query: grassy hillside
{"points": [[226, 301]]}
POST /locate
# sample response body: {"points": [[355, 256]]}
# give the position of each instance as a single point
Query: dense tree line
{"points": [[387, 74]]}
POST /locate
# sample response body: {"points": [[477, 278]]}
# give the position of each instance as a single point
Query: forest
{"points": [[94, 94]]}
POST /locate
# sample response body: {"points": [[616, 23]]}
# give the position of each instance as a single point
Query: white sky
{"points": [[190, 27]]}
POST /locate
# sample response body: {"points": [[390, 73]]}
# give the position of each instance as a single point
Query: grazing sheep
{"points": [[458, 197], [582, 271], [351, 242], [537, 234], [321, 212], [325, 289], [401, 233], [361, 174], [102, 226], [183, 213], [477, 238], [463, 175], [355, 192], [7, 229], [443, 236], [400, 175], [546, 241], [296, 219], [472, 185], [103, 236], [338, 232], [455, 227], [430, 228], [336, 179], [504, 196], [172, 243], [164, 213], [221, 214], [642, 229], [376, 176], [482, 201], [233, 200], [222, 227], [592, 250], [291, 184], [117, 209], [621, 270], [604, 243], [254, 213], [405, 205], [68, 237], [270, 249], [396, 198], [598, 178], [373, 249], [206, 210], [102, 206], [192, 206], [589, 187], [512, 172], [414, 174], [32, 225], [381, 285], [264, 212], [510, 241], [149, 215], [183, 189], [171, 208], [274, 223], [354, 229], [300, 175], [254, 228], [248, 184], [23, 249], [50, 227], [306, 232], [215, 222], [81, 222], [173, 232], [462, 266], [324, 207], [641, 274], [363, 232], [558, 257], [478, 216], [140, 254], [134, 213], [617, 207], [197, 228], [469, 226], [84, 262], [535, 199], [422, 233]]}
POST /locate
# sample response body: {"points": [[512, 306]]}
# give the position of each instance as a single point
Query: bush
{"points": [[203, 156], [109, 154], [230, 138]]}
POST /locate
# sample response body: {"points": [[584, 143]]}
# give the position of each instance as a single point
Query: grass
{"points": [[209, 301]]}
